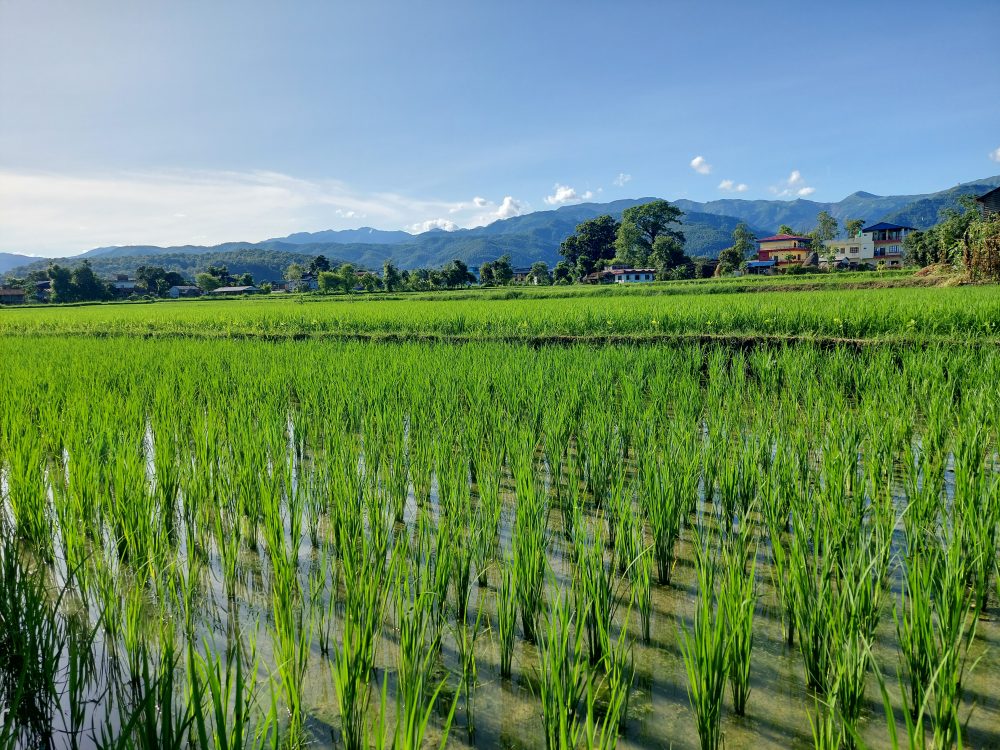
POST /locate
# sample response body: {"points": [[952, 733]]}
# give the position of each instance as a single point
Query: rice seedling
{"points": [[706, 652], [738, 600], [506, 608], [563, 676], [366, 596]]}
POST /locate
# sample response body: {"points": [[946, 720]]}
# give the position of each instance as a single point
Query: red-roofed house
{"points": [[784, 249]]}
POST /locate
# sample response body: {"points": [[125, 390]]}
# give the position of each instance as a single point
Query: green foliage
{"points": [[744, 244], [853, 227], [594, 238], [641, 226]]}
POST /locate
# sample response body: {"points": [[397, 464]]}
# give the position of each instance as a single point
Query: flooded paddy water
{"points": [[172, 513]]}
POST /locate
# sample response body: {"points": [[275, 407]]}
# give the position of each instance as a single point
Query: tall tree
{"points": [[391, 278], [456, 273], [854, 227], [319, 263], [641, 225], [594, 238], [87, 287], [785, 229], [744, 244], [562, 273], [503, 272], [539, 273], [62, 283], [826, 230], [486, 274], [668, 255]]}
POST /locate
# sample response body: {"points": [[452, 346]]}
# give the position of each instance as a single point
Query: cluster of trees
{"points": [[215, 276], [945, 241], [648, 236], [347, 277], [82, 284]]}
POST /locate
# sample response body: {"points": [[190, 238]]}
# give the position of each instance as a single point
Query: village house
{"points": [[308, 283], [785, 250], [183, 291], [878, 244], [520, 274], [989, 203], [123, 286], [760, 267], [234, 291], [621, 275], [12, 297]]}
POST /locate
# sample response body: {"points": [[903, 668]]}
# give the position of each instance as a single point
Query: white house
{"points": [[877, 244], [632, 275]]}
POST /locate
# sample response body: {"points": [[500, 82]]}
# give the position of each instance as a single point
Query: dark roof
{"points": [[779, 237], [12, 292], [234, 289], [883, 226], [982, 198], [633, 270]]}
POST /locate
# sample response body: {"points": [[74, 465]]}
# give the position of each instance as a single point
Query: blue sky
{"points": [[191, 122]]}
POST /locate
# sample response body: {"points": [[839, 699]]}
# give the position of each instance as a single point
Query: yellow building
{"points": [[784, 249]]}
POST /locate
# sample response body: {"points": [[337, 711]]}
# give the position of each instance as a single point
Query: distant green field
{"points": [[806, 307]]}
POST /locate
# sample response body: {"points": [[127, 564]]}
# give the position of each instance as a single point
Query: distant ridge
{"points": [[13, 260], [536, 236]]}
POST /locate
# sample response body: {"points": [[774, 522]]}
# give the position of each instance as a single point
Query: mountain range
{"points": [[531, 237]]}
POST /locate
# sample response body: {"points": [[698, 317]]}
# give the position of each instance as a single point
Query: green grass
{"points": [[831, 311]]}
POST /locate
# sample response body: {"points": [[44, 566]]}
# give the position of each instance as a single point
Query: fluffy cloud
{"points": [[794, 185], [426, 226], [64, 214], [621, 179], [565, 194], [995, 155], [699, 165], [509, 208], [729, 186]]}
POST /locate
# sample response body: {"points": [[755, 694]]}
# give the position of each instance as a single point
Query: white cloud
{"points": [[794, 185], [565, 194], [995, 155], [53, 214], [509, 208], [699, 165], [730, 186], [621, 179], [426, 226]]}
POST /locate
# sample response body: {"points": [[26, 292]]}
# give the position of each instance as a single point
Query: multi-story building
{"points": [[878, 244], [785, 249]]}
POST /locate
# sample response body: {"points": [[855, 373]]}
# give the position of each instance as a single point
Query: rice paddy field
{"points": [[666, 519]]}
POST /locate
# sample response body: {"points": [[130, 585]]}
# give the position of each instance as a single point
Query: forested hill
{"points": [[535, 236], [264, 265]]}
